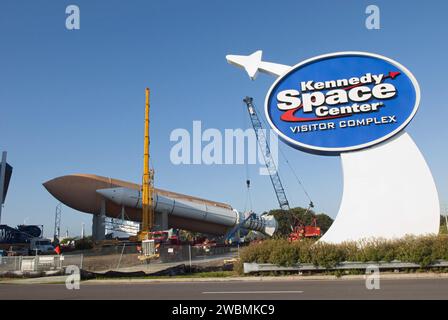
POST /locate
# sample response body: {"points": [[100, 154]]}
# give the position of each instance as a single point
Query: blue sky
{"points": [[73, 101]]}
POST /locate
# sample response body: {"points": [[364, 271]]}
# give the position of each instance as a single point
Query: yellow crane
{"points": [[147, 182]]}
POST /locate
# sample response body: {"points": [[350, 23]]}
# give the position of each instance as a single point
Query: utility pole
{"points": [[2, 182]]}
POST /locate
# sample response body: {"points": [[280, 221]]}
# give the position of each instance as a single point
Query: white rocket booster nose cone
{"points": [[121, 196], [112, 194]]}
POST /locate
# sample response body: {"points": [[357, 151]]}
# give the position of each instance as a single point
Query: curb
{"points": [[41, 280], [385, 276]]}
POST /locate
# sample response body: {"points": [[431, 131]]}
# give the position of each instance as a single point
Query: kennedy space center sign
{"points": [[356, 105], [342, 102]]}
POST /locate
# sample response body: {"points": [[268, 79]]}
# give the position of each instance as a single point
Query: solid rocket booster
{"points": [[80, 192], [194, 210]]}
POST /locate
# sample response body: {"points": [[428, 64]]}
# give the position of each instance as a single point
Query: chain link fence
{"points": [[123, 257]]}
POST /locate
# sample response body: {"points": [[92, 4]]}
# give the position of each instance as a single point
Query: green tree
{"points": [[324, 222], [84, 243], [443, 228]]}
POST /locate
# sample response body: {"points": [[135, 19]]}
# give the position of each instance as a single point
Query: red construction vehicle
{"points": [[165, 237], [302, 231]]}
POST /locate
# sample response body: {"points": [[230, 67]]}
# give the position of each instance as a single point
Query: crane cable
{"points": [[248, 200], [311, 204]]}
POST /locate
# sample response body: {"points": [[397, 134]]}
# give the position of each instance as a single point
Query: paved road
{"points": [[268, 290]]}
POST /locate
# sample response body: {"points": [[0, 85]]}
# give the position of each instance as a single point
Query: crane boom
{"points": [[267, 156], [148, 180]]}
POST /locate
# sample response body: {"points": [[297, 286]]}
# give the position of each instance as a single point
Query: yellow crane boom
{"points": [[147, 181]]}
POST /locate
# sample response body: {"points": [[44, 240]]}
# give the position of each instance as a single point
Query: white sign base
{"points": [[389, 192]]}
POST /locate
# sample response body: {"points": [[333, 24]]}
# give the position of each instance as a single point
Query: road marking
{"points": [[236, 292]]}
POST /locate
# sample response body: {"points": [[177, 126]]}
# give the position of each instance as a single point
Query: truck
{"points": [[302, 231], [40, 246]]}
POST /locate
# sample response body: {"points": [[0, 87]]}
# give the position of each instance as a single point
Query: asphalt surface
{"points": [[241, 290]]}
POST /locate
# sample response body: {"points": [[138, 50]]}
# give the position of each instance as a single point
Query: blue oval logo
{"points": [[342, 102]]}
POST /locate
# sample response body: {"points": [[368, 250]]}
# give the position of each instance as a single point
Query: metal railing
{"points": [[347, 265], [39, 263]]}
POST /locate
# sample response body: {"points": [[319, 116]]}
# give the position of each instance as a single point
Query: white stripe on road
{"points": [[236, 292]]}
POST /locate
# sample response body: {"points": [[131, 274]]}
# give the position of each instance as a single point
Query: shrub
{"points": [[327, 255], [284, 254], [422, 250], [83, 244], [440, 248], [304, 250], [375, 250], [417, 250]]}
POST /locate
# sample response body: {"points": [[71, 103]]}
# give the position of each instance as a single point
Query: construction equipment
{"points": [[297, 227], [267, 156], [147, 181], [301, 231], [149, 250], [169, 237]]}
